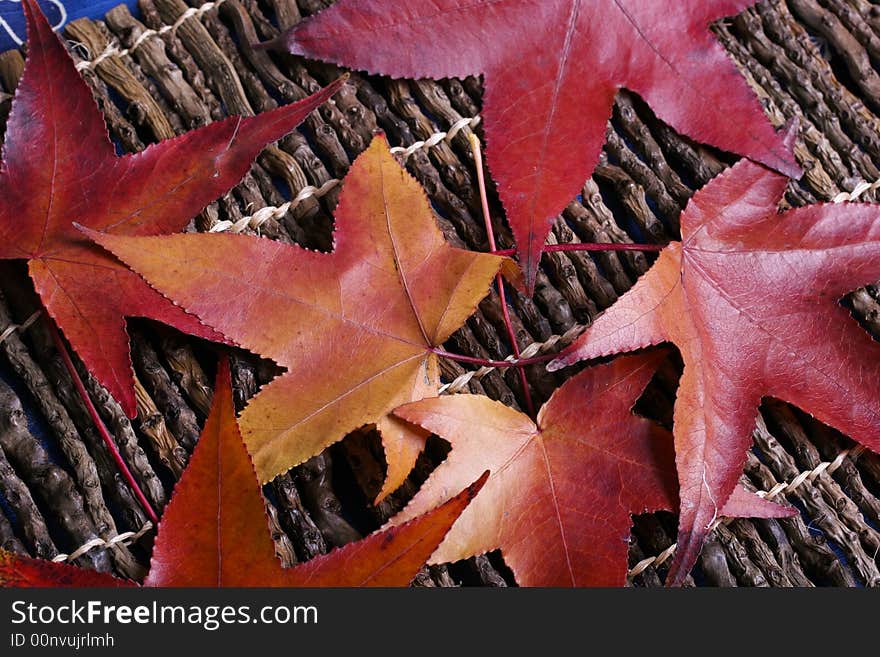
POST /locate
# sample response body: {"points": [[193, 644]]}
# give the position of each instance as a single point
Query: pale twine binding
{"points": [[437, 137], [261, 216], [124, 538], [112, 49], [458, 385], [828, 467], [461, 382], [855, 194], [12, 328]]}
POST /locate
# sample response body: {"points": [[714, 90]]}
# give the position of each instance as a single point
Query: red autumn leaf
{"points": [[214, 531], [751, 299], [560, 493], [355, 328], [551, 70], [21, 572], [60, 167]]}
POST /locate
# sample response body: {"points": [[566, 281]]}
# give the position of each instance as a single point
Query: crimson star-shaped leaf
{"points": [[552, 69], [60, 167], [751, 298]]}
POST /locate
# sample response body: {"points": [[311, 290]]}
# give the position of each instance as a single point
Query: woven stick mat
{"points": [[180, 66]]}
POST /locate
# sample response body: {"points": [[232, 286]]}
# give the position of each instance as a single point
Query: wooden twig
{"points": [[152, 425], [82, 464], [180, 418], [51, 483], [31, 524]]}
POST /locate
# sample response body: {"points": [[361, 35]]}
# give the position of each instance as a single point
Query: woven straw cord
{"points": [[436, 138], [857, 192], [113, 49], [12, 328], [460, 383], [125, 538], [256, 220], [853, 453], [261, 216]]}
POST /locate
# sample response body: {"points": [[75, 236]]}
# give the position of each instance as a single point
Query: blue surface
{"points": [[59, 12]]}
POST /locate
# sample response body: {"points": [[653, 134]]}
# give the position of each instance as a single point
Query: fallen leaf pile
{"points": [[749, 296]]}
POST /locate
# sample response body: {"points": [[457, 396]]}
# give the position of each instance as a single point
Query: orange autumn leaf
{"points": [[354, 328], [60, 167], [215, 532], [561, 492]]}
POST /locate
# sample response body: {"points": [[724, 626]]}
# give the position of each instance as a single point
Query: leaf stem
{"points": [[485, 362], [589, 246], [477, 150], [99, 424]]}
